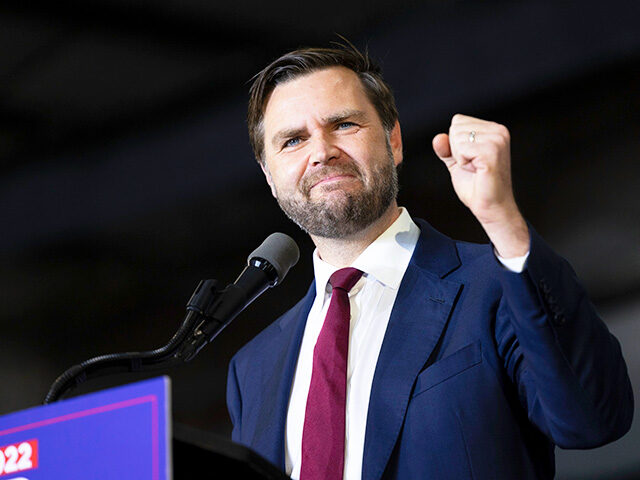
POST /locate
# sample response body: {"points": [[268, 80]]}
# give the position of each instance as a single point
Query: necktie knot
{"points": [[345, 278]]}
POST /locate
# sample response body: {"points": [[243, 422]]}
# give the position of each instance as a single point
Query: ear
{"points": [[395, 140], [267, 175]]}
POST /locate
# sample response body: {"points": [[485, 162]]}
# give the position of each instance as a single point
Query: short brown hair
{"points": [[306, 60]]}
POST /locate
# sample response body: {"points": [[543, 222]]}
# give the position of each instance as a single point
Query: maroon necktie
{"points": [[324, 419]]}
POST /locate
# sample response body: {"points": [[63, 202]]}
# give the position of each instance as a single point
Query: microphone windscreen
{"points": [[279, 250]]}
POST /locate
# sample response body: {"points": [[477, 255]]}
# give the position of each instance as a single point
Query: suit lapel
{"points": [[278, 368], [418, 319]]}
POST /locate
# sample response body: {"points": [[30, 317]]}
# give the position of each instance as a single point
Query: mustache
{"points": [[330, 171]]}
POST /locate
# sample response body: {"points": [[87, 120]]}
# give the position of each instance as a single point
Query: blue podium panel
{"points": [[121, 433]]}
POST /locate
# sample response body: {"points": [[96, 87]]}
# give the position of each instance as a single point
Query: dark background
{"points": [[126, 173]]}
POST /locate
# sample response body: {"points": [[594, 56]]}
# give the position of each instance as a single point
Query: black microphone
{"points": [[266, 267]]}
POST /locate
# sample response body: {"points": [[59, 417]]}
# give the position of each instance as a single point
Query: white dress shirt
{"points": [[384, 263]]}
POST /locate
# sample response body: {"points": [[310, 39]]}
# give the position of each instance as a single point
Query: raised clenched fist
{"points": [[477, 154]]}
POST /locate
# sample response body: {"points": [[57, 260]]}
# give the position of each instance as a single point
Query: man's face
{"points": [[328, 160]]}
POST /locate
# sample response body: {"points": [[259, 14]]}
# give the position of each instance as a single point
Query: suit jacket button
{"points": [[543, 286], [558, 318]]}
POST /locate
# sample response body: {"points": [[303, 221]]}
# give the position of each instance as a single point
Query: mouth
{"points": [[332, 179]]}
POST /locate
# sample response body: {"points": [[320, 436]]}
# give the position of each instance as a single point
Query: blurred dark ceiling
{"points": [[77, 73], [126, 174]]}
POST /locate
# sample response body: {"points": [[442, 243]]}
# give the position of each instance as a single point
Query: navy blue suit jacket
{"points": [[481, 373]]}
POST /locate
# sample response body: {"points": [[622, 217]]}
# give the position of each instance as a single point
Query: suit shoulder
{"points": [[469, 251], [478, 264]]}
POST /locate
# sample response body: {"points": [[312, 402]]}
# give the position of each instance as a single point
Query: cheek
{"points": [[366, 147], [287, 175]]}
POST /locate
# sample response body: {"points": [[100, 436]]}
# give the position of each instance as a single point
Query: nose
{"points": [[324, 149]]}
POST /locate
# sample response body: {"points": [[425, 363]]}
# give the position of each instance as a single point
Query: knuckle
{"points": [[503, 131]]}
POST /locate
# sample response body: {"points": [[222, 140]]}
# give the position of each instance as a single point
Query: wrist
{"points": [[509, 233]]}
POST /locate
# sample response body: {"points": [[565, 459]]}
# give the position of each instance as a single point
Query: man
{"points": [[457, 360]]}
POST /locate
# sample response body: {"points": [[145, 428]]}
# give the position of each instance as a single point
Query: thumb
{"points": [[442, 148]]}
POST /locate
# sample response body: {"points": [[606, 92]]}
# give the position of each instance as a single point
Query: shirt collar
{"points": [[386, 259]]}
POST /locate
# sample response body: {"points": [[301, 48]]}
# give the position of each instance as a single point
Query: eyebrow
{"points": [[279, 137], [341, 116]]}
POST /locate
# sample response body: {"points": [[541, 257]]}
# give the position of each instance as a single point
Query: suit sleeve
{"points": [[234, 400], [567, 366]]}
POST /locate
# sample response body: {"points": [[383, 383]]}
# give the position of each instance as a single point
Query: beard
{"points": [[346, 213]]}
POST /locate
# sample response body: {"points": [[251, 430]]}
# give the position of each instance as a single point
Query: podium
{"points": [[121, 433]]}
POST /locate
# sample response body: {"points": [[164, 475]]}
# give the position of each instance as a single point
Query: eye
{"points": [[292, 142], [344, 125]]}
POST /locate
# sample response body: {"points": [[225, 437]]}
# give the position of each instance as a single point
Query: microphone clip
{"points": [[204, 297], [202, 305]]}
